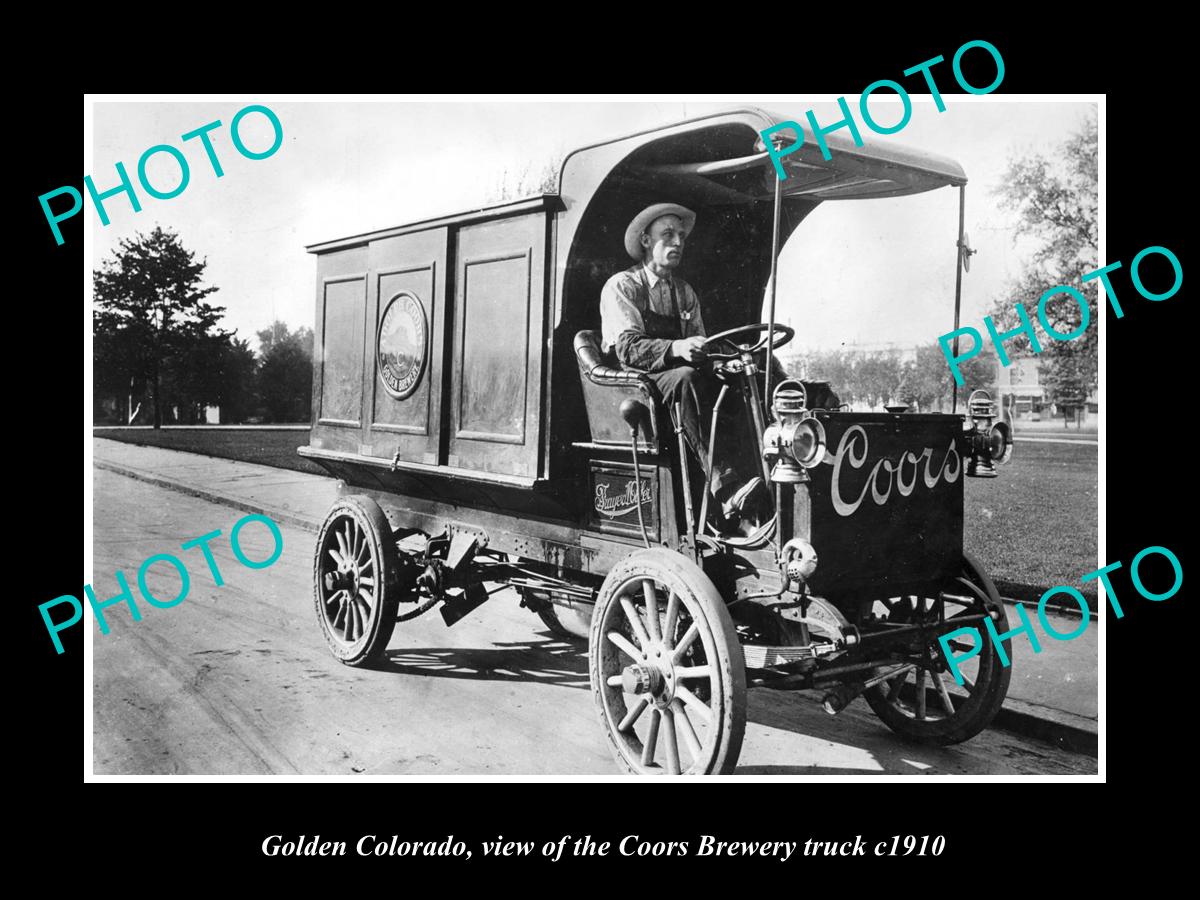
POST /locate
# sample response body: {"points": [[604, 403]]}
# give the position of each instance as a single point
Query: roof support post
{"points": [[771, 301], [958, 273]]}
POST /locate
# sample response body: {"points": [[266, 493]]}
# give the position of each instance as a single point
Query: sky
{"points": [[867, 273]]}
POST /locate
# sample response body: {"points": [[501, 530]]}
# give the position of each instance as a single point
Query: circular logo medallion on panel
{"points": [[401, 348]]}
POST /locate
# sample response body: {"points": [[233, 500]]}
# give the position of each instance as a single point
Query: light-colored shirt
{"points": [[624, 299]]}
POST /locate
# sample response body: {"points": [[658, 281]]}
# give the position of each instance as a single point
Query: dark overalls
{"points": [[693, 388]]}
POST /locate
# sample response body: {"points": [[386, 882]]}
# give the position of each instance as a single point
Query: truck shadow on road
{"points": [[855, 743], [547, 661]]}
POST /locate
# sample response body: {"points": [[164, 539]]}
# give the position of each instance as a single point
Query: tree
{"points": [[217, 369], [115, 379], [926, 379], [237, 371], [285, 373], [878, 377], [533, 179], [834, 366], [979, 373], [1067, 384], [151, 318], [1056, 203]]}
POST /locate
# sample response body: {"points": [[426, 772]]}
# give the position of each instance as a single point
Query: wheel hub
{"points": [[641, 680], [654, 677], [342, 579]]}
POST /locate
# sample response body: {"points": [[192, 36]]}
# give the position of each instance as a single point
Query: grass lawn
{"points": [[267, 447], [1034, 525]]}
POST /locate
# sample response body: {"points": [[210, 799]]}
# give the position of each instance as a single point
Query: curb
{"points": [[1064, 730], [181, 487], [1013, 592], [97, 428], [1058, 727]]}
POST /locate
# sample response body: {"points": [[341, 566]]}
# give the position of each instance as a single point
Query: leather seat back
{"points": [[605, 386]]}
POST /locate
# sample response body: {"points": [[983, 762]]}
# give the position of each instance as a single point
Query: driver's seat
{"points": [[606, 386]]}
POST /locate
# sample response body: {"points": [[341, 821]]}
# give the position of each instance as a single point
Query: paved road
{"points": [[237, 680]]}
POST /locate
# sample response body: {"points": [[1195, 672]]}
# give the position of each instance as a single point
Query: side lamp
{"points": [[989, 440], [795, 441]]}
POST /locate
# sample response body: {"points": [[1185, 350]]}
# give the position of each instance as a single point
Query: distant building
{"points": [[1021, 382], [1028, 399]]}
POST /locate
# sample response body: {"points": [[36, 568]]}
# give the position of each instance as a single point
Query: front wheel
{"points": [[666, 668], [925, 702]]}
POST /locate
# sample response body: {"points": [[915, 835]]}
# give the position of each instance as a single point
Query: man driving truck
{"points": [[652, 319]]}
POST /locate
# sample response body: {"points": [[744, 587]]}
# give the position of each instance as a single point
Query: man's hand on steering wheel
{"points": [[690, 350]]}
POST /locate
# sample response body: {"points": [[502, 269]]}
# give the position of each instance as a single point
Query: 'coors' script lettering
{"points": [[893, 472]]}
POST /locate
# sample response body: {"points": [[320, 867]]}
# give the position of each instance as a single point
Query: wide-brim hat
{"points": [[633, 234]]}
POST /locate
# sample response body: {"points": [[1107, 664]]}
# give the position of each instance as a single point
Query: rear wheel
{"points": [[566, 624], [356, 591], [925, 702], [666, 668]]}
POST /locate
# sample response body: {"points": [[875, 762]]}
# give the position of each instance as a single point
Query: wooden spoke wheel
{"points": [[925, 702], [355, 568], [666, 668]]}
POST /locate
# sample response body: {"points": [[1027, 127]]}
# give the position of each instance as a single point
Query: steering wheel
{"points": [[783, 334]]}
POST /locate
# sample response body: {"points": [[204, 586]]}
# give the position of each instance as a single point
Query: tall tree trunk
{"points": [[157, 402]]}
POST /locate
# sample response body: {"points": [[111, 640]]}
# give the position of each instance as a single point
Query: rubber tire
{"points": [[565, 624], [957, 729], [682, 574], [370, 517]]}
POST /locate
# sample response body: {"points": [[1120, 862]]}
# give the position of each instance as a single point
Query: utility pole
{"points": [[1000, 387]]}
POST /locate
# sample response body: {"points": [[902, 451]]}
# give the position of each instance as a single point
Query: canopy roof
{"points": [[879, 168], [712, 165], [713, 160]]}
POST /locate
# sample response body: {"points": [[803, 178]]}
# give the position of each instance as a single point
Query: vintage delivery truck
{"points": [[484, 440]]}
